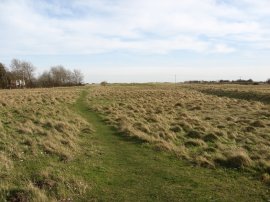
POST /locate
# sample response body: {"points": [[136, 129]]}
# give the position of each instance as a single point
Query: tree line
{"points": [[22, 74], [239, 81]]}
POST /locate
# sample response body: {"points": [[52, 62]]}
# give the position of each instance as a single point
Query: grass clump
{"points": [[236, 159], [19, 195], [176, 129], [265, 178], [6, 163], [195, 143], [211, 137], [194, 134]]}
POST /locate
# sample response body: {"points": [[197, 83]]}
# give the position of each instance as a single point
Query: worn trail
{"points": [[123, 169]]}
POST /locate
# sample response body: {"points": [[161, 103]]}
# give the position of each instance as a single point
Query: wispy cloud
{"points": [[100, 26]]}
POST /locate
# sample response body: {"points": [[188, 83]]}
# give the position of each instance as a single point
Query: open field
{"points": [[54, 147], [207, 130], [259, 93]]}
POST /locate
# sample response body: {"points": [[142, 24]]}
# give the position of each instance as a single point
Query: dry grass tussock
{"points": [[37, 123], [205, 129]]}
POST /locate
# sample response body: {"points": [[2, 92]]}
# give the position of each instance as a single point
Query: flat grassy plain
{"points": [[207, 130], [131, 143], [259, 93]]}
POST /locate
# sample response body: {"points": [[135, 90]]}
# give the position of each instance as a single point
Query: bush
{"points": [[104, 83]]}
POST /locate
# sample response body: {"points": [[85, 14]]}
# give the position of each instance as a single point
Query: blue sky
{"points": [[140, 40]]}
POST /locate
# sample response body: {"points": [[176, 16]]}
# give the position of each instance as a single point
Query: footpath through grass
{"points": [[113, 167], [123, 169]]}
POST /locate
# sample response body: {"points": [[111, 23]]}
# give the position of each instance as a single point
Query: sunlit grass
{"points": [[37, 124], [53, 147], [207, 130]]}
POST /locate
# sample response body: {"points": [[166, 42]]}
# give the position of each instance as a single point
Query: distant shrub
{"points": [[104, 83], [268, 81]]}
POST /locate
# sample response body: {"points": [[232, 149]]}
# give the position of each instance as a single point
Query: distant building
{"points": [[16, 84]]}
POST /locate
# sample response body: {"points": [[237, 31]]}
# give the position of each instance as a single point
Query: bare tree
{"points": [[59, 76], [45, 79], [23, 70], [56, 76], [69, 78], [78, 76], [16, 69], [28, 70]]}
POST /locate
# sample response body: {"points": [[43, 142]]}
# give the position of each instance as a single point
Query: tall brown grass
{"points": [[208, 130], [37, 123]]}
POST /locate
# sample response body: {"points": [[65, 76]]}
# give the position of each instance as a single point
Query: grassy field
{"points": [[206, 130], [132, 143], [38, 131], [260, 93]]}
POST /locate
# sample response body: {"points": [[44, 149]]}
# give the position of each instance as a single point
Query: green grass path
{"points": [[123, 169]]}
